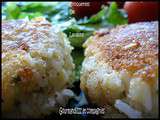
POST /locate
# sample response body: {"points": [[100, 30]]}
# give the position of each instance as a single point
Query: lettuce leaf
{"points": [[116, 16], [107, 16]]}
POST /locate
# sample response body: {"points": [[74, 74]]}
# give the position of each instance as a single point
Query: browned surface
{"points": [[132, 47], [20, 34]]}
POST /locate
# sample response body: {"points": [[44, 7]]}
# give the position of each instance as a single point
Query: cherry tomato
{"points": [[82, 9], [141, 11]]}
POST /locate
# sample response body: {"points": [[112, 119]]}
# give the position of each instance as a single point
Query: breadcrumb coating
{"points": [[36, 63], [122, 63]]}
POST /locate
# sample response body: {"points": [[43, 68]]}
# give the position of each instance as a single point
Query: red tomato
{"points": [[141, 11], [82, 9]]}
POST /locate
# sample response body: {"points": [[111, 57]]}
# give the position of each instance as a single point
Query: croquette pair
{"points": [[120, 69]]}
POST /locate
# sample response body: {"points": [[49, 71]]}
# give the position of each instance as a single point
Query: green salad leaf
{"points": [[12, 11], [106, 16], [77, 34], [29, 15], [53, 11], [115, 16]]}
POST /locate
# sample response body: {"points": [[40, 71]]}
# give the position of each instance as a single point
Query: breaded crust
{"points": [[132, 47], [36, 64], [122, 63], [21, 34]]}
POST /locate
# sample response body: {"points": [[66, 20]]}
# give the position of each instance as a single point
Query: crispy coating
{"points": [[122, 63], [131, 47], [36, 63]]}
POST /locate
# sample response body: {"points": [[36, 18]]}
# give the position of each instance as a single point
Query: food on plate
{"points": [[141, 11], [121, 69], [37, 67]]}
